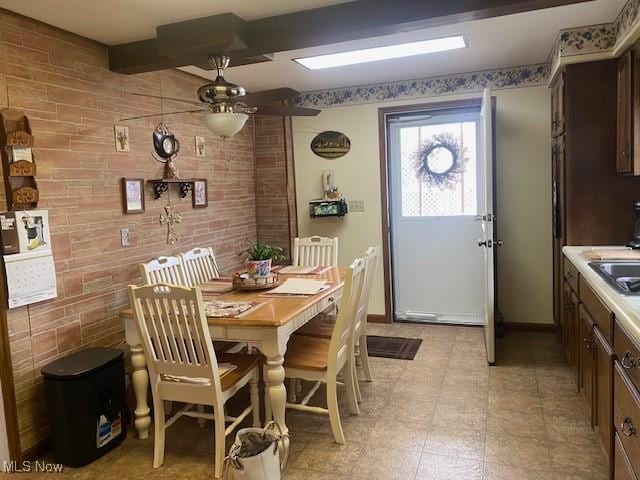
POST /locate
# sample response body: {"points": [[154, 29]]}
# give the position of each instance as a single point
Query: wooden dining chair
{"points": [[322, 325], [200, 265], [183, 367], [315, 252], [321, 360], [164, 270]]}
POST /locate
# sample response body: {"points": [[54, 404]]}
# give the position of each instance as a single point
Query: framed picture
{"points": [[121, 134], [199, 146], [199, 194], [32, 227], [133, 195]]}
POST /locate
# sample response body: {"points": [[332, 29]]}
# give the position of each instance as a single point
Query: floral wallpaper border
{"points": [[525, 76], [602, 38], [571, 42]]}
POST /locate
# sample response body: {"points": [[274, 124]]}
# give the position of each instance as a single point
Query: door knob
{"points": [[485, 243], [498, 243]]}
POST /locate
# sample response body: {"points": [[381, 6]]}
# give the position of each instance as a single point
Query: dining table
{"points": [[266, 327]]}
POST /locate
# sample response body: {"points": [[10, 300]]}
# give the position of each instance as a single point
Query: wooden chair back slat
{"points": [[315, 252], [342, 342], [173, 328], [371, 266], [200, 265], [169, 270]]}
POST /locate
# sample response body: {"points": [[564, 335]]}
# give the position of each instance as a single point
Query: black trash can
{"points": [[86, 396]]}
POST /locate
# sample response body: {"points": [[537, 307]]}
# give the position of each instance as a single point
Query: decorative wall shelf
{"points": [[18, 161], [161, 185]]}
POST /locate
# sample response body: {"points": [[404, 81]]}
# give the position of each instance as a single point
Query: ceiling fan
{"points": [[226, 106]]}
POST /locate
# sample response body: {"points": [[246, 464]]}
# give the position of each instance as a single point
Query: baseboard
{"points": [[532, 327], [377, 318], [37, 451]]}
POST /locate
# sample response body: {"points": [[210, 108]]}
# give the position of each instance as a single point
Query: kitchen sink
{"points": [[622, 276]]}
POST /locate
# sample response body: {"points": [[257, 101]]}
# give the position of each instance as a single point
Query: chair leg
{"points": [[356, 384], [255, 399], [334, 413], [350, 386], [159, 432], [364, 357], [291, 391], [219, 439], [201, 421]]}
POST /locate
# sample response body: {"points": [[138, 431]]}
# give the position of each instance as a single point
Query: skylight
{"points": [[400, 50]]}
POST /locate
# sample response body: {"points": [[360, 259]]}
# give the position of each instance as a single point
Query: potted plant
{"points": [[258, 258]]}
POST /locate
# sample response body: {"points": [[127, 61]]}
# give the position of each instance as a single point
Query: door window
{"points": [[450, 186]]}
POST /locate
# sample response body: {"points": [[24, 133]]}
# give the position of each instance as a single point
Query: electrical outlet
{"points": [[356, 205], [124, 237]]}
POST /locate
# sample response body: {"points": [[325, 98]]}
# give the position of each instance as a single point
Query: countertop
{"points": [[626, 308]]}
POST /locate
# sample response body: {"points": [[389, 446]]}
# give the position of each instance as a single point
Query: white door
{"points": [[438, 270], [488, 242]]}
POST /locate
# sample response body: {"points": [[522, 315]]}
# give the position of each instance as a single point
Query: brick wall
{"points": [[73, 101], [275, 181]]}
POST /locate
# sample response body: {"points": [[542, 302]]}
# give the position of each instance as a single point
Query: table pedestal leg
{"points": [[277, 394], [140, 381]]}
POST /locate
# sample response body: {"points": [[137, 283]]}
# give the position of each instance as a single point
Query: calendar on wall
{"points": [[31, 277], [31, 274]]}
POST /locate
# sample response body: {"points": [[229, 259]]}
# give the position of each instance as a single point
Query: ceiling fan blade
{"points": [[162, 114], [169, 99], [288, 111], [267, 96]]}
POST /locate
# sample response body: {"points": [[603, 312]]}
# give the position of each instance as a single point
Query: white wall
{"points": [[523, 155]]}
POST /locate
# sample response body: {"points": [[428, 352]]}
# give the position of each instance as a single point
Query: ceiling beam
{"points": [[191, 42]]}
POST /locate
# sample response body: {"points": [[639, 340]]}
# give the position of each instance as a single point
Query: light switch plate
{"points": [[356, 205], [124, 237]]}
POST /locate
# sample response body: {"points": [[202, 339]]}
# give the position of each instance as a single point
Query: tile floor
{"points": [[446, 415]]}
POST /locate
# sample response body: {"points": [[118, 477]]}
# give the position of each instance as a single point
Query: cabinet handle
{"points": [[331, 299], [588, 342], [628, 361], [627, 427]]}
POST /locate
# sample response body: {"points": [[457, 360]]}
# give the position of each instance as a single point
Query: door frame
{"points": [[385, 187]]}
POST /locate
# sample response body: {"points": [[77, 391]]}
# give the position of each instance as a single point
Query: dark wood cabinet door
{"points": [[603, 412], [557, 106], [624, 142], [622, 468], [586, 348], [568, 327]]}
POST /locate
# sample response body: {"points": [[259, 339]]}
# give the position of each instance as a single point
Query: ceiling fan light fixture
{"points": [[224, 124]]}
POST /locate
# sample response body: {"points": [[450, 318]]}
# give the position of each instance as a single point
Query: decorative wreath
{"points": [[443, 179]]}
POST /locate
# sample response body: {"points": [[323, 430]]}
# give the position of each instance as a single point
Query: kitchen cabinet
{"points": [[586, 347], [622, 466], [569, 325], [603, 379], [558, 106], [626, 416], [624, 142], [608, 368], [592, 204]]}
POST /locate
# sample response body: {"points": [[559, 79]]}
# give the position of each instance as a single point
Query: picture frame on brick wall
{"points": [[121, 138], [199, 194], [200, 147], [132, 195]]}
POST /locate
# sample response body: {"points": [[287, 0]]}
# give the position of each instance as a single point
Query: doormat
{"points": [[393, 347]]}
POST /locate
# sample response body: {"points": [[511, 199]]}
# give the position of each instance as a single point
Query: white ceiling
{"points": [[521, 39], [513, 40], [119, 21]]}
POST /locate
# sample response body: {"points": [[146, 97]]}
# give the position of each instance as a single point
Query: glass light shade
{"points": [[224, 124]]}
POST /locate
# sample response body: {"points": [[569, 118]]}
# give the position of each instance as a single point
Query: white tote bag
{"points": [[254, 455]]}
